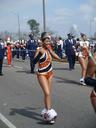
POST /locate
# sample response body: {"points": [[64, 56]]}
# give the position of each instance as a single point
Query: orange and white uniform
{"points": [[83, 49], [9, 55], [44, 64]]}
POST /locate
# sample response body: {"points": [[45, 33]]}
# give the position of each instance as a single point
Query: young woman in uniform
{"points": [[83, 56], [45, 74]]}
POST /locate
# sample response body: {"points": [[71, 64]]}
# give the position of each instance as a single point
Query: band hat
{"points": [[70, 35]]}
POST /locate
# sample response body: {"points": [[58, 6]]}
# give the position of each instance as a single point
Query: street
{"points": [[21, 98]]}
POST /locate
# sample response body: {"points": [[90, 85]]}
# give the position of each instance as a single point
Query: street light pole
{"points": [[44, 17], [18, 23], [90, 34], [94, 24]]}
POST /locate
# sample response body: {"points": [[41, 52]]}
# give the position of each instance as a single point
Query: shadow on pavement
{"points": [[28, 112], [25, 71], [61, 69], [65, 80]]}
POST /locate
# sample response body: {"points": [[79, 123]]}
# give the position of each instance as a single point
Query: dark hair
{"points": [[69, 35], [60, 38], [8, 44], [44, 35], [82, 34], [78, 39], [31, 36]]}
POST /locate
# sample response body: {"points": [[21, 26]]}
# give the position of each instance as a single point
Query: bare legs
{"points": [[83, 63], [93, 99], [46, 85]]}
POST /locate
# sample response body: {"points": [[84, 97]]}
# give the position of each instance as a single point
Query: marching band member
{"points": [[83, 56], [45, 74]]}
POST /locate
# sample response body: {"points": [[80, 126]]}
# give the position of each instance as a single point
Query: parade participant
{"points": [[69, 50], [59, 46], [23, 50], [83, 56], [13, 50], [90, 78], [31, 46], [9, 54], [2, 51], [17, 47], [45, 75]]}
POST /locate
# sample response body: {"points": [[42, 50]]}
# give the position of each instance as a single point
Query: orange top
{"points": [[45, 62]]}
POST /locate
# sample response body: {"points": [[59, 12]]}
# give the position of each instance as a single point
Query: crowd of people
{"points": [[42, 50]]}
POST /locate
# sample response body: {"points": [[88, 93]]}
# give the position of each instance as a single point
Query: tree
{"points": [[34, 27]]}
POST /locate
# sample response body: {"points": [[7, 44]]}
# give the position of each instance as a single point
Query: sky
{"points": [[61, 15]]}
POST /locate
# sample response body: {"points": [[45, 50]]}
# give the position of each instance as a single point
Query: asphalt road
{"points": [[21, 98]]}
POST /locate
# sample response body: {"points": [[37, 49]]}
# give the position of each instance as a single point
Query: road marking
{"points": [[7, 122]]}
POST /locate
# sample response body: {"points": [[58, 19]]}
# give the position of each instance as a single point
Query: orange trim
{"points": [[47, 75]]}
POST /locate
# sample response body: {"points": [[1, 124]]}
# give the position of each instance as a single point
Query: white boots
{"points": [[82, 81], [49, 115]]}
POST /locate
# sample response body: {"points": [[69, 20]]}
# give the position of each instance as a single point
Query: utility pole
{"points": [[44, 17], [90, 31], [18, 23], [94, 24]]}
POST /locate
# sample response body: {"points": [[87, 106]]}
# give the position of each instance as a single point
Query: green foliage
{"points": [[34, 26]]}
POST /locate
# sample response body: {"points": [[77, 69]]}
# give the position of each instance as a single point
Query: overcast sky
{"points": [[60, 15]]}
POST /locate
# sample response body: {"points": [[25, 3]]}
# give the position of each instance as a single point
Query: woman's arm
{"points": [[37, 56], [77, 45], [54, 55]]}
